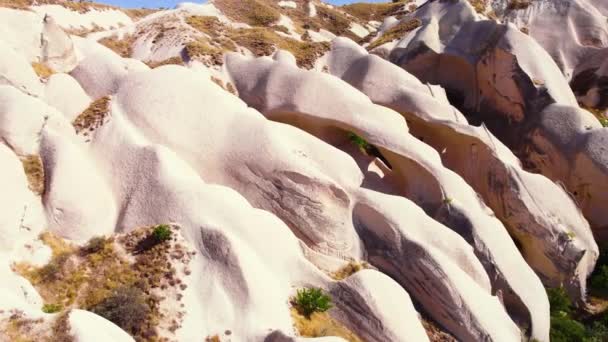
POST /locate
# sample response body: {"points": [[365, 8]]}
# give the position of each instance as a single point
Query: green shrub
{"points": [[599, 278], [126, 307], [95, 245], [559, 302], [52, 271], [161, 233], [51, 308], [309, 301], [604, 121], [597, 332], [565, 329], [359, 141]]}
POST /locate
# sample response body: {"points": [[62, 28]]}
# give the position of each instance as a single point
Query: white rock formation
{"points": [[64, 93], [534, 209], [339, 109], [517, 103], [304, 172]]}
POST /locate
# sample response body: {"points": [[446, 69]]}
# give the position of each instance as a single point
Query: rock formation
{"points": [[279, 171]]}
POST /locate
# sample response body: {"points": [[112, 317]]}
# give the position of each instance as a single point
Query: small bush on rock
{"points": [[565, 329], [95, 245], [161, 233], [125, 307], [309, 301], [51, 308], [559, 302]]}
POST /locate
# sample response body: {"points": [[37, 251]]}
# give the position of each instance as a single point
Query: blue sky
{"points": [[172, 3]]}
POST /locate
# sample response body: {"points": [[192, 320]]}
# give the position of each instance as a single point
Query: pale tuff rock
{"points": [[13, 199], [280, 178], [70, 178], [100, 70], [288, 4], [512, 101], [339, 109], [534, 209], [64, 93], [89, 19], [22, 119], [568, 44], [590, 80], [15, 71], [370, 291], [57, 48], [21, 31], [305, 182]]}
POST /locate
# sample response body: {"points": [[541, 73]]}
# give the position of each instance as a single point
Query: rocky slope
{"points": [[187, 174]]}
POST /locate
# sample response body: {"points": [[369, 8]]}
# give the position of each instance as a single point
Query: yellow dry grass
{"points": [[396, 32], [121, 46], [42, 70], [349, 269], [34, 171], [321, 325], [92, 117], [374, 11]]}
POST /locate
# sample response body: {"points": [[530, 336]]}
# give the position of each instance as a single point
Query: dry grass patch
{"points": [[321, 325], [396, 32], [202, 50], [169, 61], [42, 70], [518, 4], [435, 333], [374, 11], [138, 13], [350, 269], [16, 4], [478, 5], [92, 117], [335, 22], [252, 12], [100, 278], [263, 42], [207, 24], [34, 171], [121, 46]]}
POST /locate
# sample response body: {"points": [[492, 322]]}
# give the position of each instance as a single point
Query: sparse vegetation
{"points": [[201, 48], [169, 61], [252, 12], [126, 307], [264, 42], [34, 171], [310, 300], [51, 308], [42, 70], [395, 32], [99, 278], [375, 11], [359, 141], [320, 324], [93, 117], [569, 324], [478, 5], [350, 269], [518, 4], [95, 245], [162, 233], [121, 46]]}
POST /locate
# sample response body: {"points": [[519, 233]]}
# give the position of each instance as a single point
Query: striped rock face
{"points": [[277, 171]]}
